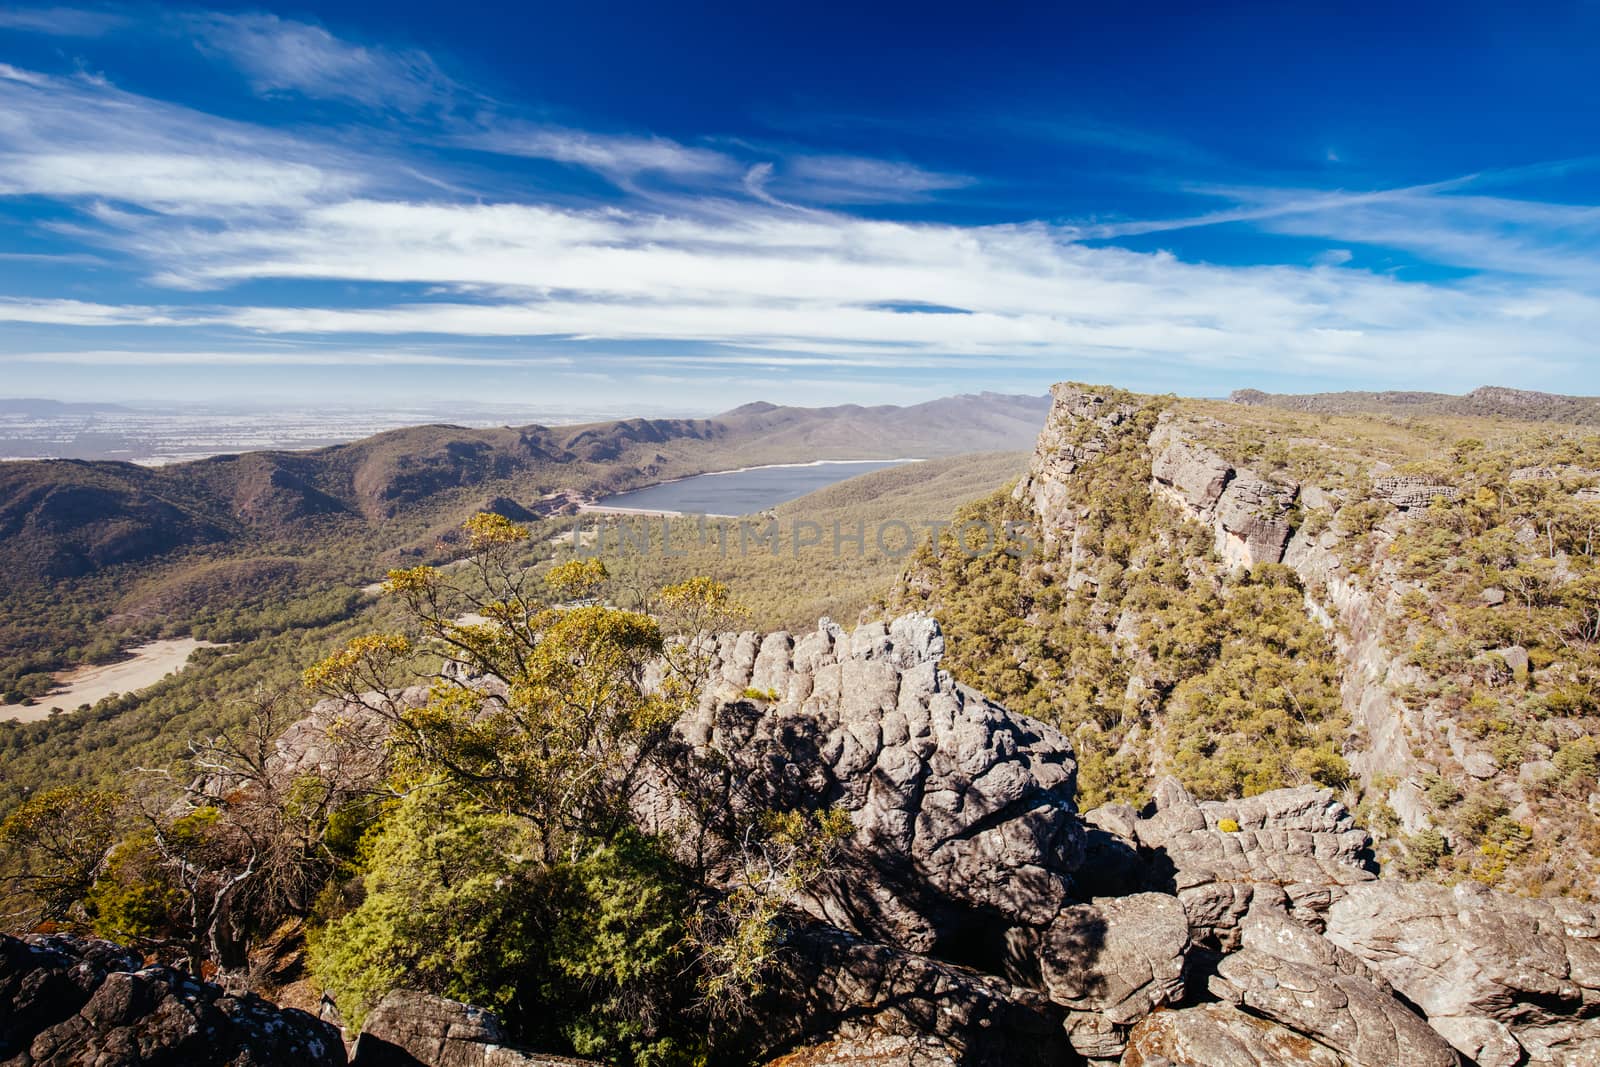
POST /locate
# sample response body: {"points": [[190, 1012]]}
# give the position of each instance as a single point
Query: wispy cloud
{"points": [[725, 253], [84, 313], [615, 155], [1443, 222], [211, 357], [844, 180], [82, 138], [62, 21], [829, 285], [275, 55], [284, 56]]}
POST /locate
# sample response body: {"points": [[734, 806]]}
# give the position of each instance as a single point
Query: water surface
{"points": [[743, 491]]}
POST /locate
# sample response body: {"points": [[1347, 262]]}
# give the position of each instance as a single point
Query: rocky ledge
{"points": [[68, 1002]]}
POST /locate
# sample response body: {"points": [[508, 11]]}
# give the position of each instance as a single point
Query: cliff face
{"points": [[1375, 549], [1252, 520]]}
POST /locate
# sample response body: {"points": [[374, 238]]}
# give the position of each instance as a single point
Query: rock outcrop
{"points": [[1249, 514], [1295, 848], [412, 1029], [964, 815], [1506, 980], [977, 919], [1412, 492], [846, 1000], [1187, 929], [65, 1001]]}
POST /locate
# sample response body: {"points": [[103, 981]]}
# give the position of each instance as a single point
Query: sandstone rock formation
{"points": [[1411, 492], [1082, 424], [1189, 929], [1250, 514], [65, 1001], [964, 815], [411, 1029], [1506, 980]]}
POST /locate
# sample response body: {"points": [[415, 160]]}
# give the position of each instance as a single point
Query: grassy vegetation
{"points": [[1156, 660], [787, 587]]}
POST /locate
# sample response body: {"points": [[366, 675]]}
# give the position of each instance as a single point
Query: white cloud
{"points": [[1484, 233], [82, 313], [859, 180], [62, 21], [724, 270], [161, 181], [828, 285], [610, 154], [109, 357], [81, 138], [284, 56], [1440, 222]]}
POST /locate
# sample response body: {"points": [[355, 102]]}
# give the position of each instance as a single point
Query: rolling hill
{"points": [[68, 518], [1489, 401]]}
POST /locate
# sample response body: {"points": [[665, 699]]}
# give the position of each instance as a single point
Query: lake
{"points": [[741, 492]]}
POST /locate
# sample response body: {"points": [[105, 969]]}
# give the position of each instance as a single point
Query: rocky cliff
{"points": [[1433, 676]]}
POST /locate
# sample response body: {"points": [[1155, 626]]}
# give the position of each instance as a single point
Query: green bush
{"points": [[582, 953]]}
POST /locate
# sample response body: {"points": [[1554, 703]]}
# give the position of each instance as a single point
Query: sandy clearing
{"points": [[90, 685]]}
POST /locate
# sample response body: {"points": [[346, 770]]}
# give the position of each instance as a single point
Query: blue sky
{"points": [[686, 207]]}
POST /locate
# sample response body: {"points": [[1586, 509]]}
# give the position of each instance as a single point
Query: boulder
{"points": [[1220, 1035], [1300, 843], [1503, 978], [1345, 1012], [1197, 473], [839, 999], [412, 1029], [1119, 957], [1408, 491], [878, 1050], [65, 1001], [1112, 962]]}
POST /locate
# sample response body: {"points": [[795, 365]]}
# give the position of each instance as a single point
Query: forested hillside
{"points": [[277, 614]]}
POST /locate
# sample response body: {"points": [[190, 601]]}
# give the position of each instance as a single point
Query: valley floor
{"points": [[88, 685]]}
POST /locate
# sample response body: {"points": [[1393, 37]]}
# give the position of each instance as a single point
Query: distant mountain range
{"points": [[40, 407], [1491, 401], [60, 518]]}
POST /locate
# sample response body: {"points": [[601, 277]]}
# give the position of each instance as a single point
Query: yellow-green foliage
{"points": [[1234, 676], [511, 874], [567, 953], [1265, 711], [53, 846]]}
